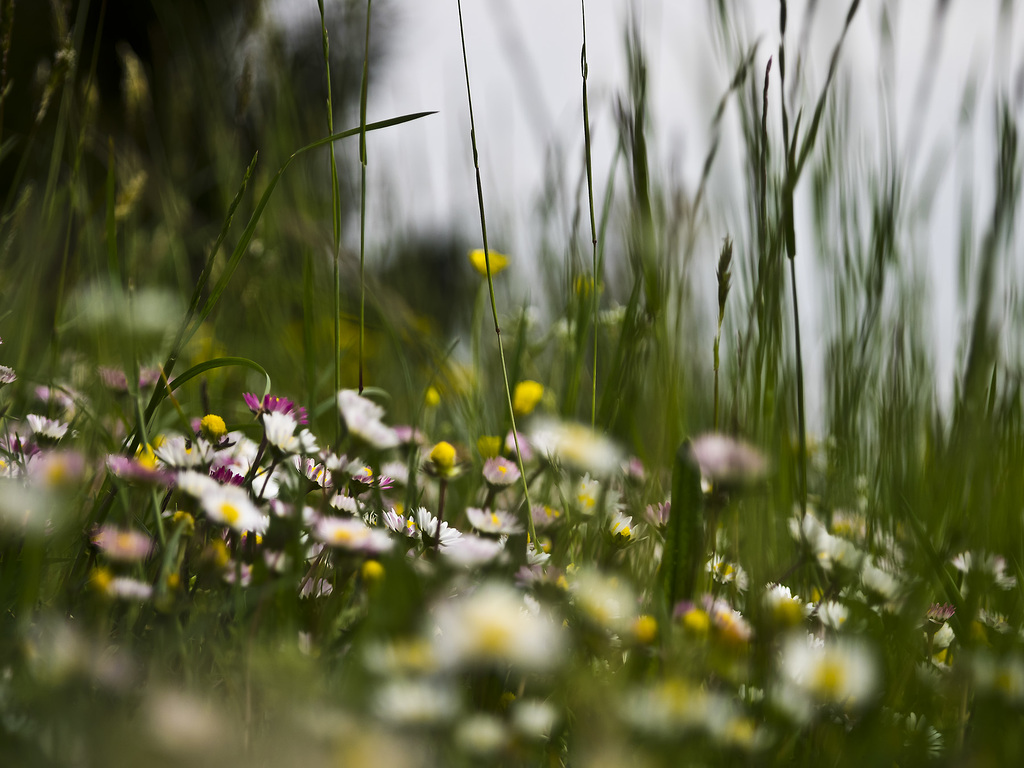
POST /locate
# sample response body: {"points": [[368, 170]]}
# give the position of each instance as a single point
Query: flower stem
{"points": [[440, 513], [362, 196], [490, 284], [335, 214], [590, 198]]}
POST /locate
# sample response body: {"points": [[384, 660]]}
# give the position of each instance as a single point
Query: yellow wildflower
{"points": [[442, 458], [372, 571], [489, 446], [432, 397], [213, 427], [479, 260], [526, 396], [645, 629]]}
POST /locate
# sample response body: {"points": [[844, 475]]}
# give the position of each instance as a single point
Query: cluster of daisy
{"points": [[491, 580]]}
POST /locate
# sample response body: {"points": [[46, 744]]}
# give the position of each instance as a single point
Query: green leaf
{"points": [[684, 538]]}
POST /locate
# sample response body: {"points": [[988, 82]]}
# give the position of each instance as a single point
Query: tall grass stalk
{"points": [[490, 285], [335, 213], [724, 276], [789, 228], [363, 87], [585, 69]]}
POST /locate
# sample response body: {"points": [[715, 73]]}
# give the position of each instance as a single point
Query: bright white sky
{"points": [[524, 58]]}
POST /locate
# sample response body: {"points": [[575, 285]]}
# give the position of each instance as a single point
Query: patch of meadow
{"points": [[271, 515]]}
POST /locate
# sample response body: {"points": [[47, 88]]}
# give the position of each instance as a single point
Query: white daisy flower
{"points": [[833, 614], [399, 524], [345, 503], [578, 446], [724, 572], [352, 534], [481, 735], [230, 505], [195, 484], [121, 545], [363, 418], [492, 627], [493, 521], [534, 718], [396, 470], [842, 672], [587, 493], [415, 702], [621, 527], [499, 472], [127, 588], [878, 583], [606, 600], [727, 461], [426, 523], [279, 429], [175, 452], [784, 607], [471, 551], [49, 430]]}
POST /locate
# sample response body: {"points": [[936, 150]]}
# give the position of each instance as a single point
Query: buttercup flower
{"points": [[479, 260], [442, 460], [432, 398], [526, 396], [489, 446], [213, 427]]}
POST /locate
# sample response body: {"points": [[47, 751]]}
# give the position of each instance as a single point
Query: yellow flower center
{"points": [[56, 472], [342, 536], [829, 678], [229, 512]]}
